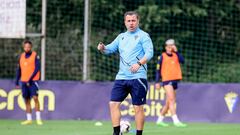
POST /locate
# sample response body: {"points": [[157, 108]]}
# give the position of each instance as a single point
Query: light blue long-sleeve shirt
{"points": [[132, 46]]}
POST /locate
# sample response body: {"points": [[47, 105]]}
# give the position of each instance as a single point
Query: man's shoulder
{"points": [[20, 55], [34, 52], [121, 34], [143, 33], [36, 55]]}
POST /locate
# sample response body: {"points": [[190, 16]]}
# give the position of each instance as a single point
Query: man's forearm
{"points": [[143, 60]]}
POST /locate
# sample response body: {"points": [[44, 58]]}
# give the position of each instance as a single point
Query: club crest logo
{"points": [[135, 37], [231, 100]]}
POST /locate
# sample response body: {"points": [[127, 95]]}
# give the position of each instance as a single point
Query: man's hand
{"points": [[157, 86], [174, 48], [29, 83], [101, 47], [134, 68]]}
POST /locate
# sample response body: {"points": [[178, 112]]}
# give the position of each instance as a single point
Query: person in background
{"points": [[28, 75], [169, 71]]}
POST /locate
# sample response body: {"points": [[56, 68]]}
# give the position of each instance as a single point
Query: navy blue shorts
{"points": [[174, 83], [29, 91], [136, 87]]}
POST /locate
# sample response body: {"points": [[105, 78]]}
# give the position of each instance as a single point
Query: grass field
{"points": [[13, 127]]}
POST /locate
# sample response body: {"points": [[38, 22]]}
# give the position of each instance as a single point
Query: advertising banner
{"points": [[12, 18], [196, 102]]}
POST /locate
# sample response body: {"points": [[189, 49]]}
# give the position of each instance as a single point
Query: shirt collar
{"points": [[137, 29]]}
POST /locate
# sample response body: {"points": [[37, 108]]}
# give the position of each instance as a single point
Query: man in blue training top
{"points": [[135, 49]]}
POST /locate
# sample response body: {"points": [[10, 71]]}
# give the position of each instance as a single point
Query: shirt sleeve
{"points": [[112, 47], [158, 69], [147, 47], [180, 58], [37, 67], [18, 72]]}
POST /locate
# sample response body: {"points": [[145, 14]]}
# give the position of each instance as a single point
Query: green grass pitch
{"points": [[61, 127]]}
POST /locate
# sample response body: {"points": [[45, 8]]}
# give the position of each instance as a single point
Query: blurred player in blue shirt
{"points": [[135, 49]]}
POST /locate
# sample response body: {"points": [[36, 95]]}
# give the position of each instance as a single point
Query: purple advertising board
{"points": [[196, 102]]}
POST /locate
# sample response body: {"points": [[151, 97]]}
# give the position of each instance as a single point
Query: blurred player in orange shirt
{"points": [[28, 74], [169, 70]]}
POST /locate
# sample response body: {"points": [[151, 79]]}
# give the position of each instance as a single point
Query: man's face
{"points": [[169, 48], [131, 22], [27, 47]]}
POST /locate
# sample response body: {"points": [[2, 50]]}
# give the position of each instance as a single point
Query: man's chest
{"points": [[129, 43]]}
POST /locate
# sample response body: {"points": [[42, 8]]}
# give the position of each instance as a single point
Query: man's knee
{"points": [[138, 109], [114, 105], [35, 98], [171, 100]]}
